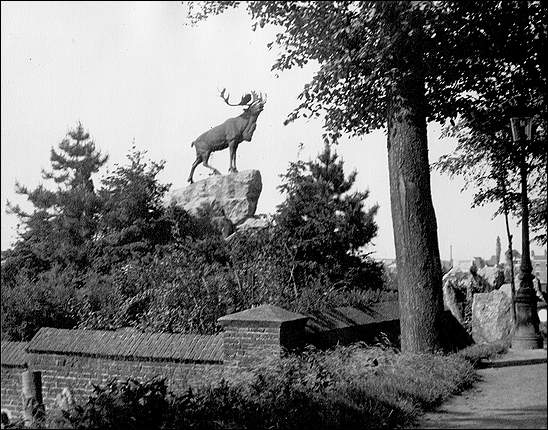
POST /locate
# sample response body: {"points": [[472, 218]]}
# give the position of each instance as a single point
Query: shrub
{"points": [[43, 301], [128, 405]]}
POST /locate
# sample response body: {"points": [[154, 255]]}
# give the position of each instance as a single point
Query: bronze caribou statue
{"points": [[230, 133]]}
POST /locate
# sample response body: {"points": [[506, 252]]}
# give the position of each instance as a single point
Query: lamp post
{"points": [[526, 334]]}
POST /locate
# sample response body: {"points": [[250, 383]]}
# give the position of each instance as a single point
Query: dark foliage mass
{"points": [[116, 256]]}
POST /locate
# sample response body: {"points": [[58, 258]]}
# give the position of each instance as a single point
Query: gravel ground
{"points": [[506, 397]]}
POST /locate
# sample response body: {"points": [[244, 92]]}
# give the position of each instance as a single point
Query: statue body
{"points": [[229, 134]]}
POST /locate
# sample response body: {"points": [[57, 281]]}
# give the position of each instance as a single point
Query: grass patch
{"points": [[351, 387], [475, 353]]}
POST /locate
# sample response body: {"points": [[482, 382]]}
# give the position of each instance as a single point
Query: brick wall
{"points": [[79, 373], [14, 361], [260, 333], [244, 346], [11, 391]]}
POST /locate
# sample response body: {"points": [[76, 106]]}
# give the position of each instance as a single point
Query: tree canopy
{"points": [[322, 221], [462, 47], [489, 162], [513, 85], [132, 220]]}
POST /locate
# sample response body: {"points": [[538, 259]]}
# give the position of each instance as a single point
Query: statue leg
{"points": [[232, 168], [234, 160], [206, 159], [196, 162]]}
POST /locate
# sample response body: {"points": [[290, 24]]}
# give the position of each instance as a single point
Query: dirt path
{"points": [[506, 397]]}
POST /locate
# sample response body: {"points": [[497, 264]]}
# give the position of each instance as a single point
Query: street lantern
{"points": [[526, 334], [522, 128]]}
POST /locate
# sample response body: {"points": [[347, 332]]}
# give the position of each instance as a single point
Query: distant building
{"points": [[537, 261], [539, 268], [492, 261], [464, 265]]}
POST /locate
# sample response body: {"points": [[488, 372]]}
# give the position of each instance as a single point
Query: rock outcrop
{"points": [[492, 274], [507, 289], [452, 282], [233, 196], [254, 223], [450, 301], [491, 317]]}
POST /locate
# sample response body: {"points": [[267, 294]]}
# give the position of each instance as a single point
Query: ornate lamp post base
{"points": [[527, 335]]}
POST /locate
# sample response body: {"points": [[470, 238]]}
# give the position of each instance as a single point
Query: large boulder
{"points": [[453, 292], [255, 223], [507, 289], [491, 317], [233, 196], [491, 275], [450, 301]]}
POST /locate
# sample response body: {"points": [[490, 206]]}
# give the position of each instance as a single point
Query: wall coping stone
{"points": [[13, 354], [128, 345], [262, 316], [352, 316]]}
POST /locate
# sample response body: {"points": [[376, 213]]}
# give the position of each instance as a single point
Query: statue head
{"points": [[254, 102], [257, 104]]}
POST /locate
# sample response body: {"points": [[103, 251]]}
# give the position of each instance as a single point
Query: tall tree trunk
{"points": [[413, 217]]}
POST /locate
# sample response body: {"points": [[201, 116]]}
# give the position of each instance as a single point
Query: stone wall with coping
{"points": [[80, 359]]}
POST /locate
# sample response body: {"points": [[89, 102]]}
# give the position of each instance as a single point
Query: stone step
{"points": [[517, 358]]}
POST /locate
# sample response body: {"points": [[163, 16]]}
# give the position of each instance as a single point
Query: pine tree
{"points": [[323, 223], [62, 221], [132, 219]]}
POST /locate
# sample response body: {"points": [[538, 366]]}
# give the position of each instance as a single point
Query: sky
{"points": [[136, 73]]}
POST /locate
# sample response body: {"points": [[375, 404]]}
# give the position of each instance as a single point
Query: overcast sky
{"points": [[135, 72]]}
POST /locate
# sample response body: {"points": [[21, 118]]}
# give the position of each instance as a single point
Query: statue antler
{"points": [[258, 97], [245, 99]]}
